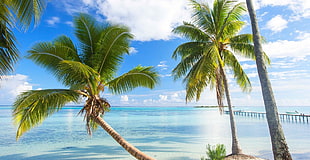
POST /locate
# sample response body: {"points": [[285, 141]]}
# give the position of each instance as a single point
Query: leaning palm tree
{"points": [[24, 12], [214, 42], [279, 145], [87, 74]]}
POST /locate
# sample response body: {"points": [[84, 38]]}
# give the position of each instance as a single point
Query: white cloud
{"points": [[162, 65], [132, 50], [163, 97], [285, 48], [124, 98], [300, 8], [147, 19], [13, 85], [73, 6], [164, 75], [88, 2], [277, 24], [69, 23], [248, 66], [302, 35], [53, 21]]}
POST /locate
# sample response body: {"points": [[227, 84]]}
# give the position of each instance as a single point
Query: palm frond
{"points": [[199, 76], [202, 17], [192, 32], [113, 44], [187, 49], [231, 29], [243, 45], [88, 32], [28, 11], [194, 87], [66, 48], [242, 79], [50, 54], [32, 107], [72, 73], [192, 56], [138, 77], [8, 50]]}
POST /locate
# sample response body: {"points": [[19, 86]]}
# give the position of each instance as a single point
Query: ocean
{"points": [[165, 133]]}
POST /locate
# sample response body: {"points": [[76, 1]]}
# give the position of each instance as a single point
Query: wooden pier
{"points": [[302, 118]]}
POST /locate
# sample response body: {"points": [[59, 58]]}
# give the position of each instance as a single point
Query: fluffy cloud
{"points": [[53, 21], [300, 8], [286, 48], [154, 20], [132, 50], [13, 85], [277, 24], [148, 20]]}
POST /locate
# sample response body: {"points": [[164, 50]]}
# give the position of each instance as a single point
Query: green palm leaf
{"points": [[8, 50], [73, 73], [192, 32], [243, 45], [111, 47], [28, 11], [137, 77], [202, 16], [32, 107], [50, 54], [239, 74], [88, 32]]}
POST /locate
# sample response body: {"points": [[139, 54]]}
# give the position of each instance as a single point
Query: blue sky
{"points": [[284, 24]]}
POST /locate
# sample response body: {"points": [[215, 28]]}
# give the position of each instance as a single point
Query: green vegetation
{"points": [[87, 70], [217, 152], [14, 13]]}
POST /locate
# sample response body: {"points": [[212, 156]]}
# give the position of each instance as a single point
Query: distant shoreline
{"points": [[207, 106]]}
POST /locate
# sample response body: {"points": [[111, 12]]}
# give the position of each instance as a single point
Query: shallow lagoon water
{"points": [[166, 133]]}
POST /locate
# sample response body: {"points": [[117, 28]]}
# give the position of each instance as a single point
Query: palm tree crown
{"points": [[87, 70], [214, 44]]}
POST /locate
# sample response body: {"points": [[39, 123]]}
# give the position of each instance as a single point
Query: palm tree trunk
{"points": [[279, 146], [119, 139], [235, 143]]}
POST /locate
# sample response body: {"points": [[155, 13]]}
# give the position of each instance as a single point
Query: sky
{"points": [[284, 24]]}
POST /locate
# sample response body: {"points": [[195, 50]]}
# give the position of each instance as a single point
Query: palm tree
{"points": [[214, 42], [24, 12], [279, 146], [87, 74]]}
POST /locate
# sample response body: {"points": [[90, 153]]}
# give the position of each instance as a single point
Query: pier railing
{"points": [[302, 118]]}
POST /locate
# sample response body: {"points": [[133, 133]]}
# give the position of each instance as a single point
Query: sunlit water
{"points": [[166, 133]]}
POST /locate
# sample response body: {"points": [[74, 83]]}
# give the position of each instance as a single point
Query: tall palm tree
{"points": [[279, 146], [214, 42], [24, 12], [87, 74]]}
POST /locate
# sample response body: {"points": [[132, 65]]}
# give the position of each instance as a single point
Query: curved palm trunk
{"points": [[279, 146], [119, 139], [235, 143]]}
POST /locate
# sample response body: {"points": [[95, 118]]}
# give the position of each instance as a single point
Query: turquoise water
{"points": [[166, 133]]}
